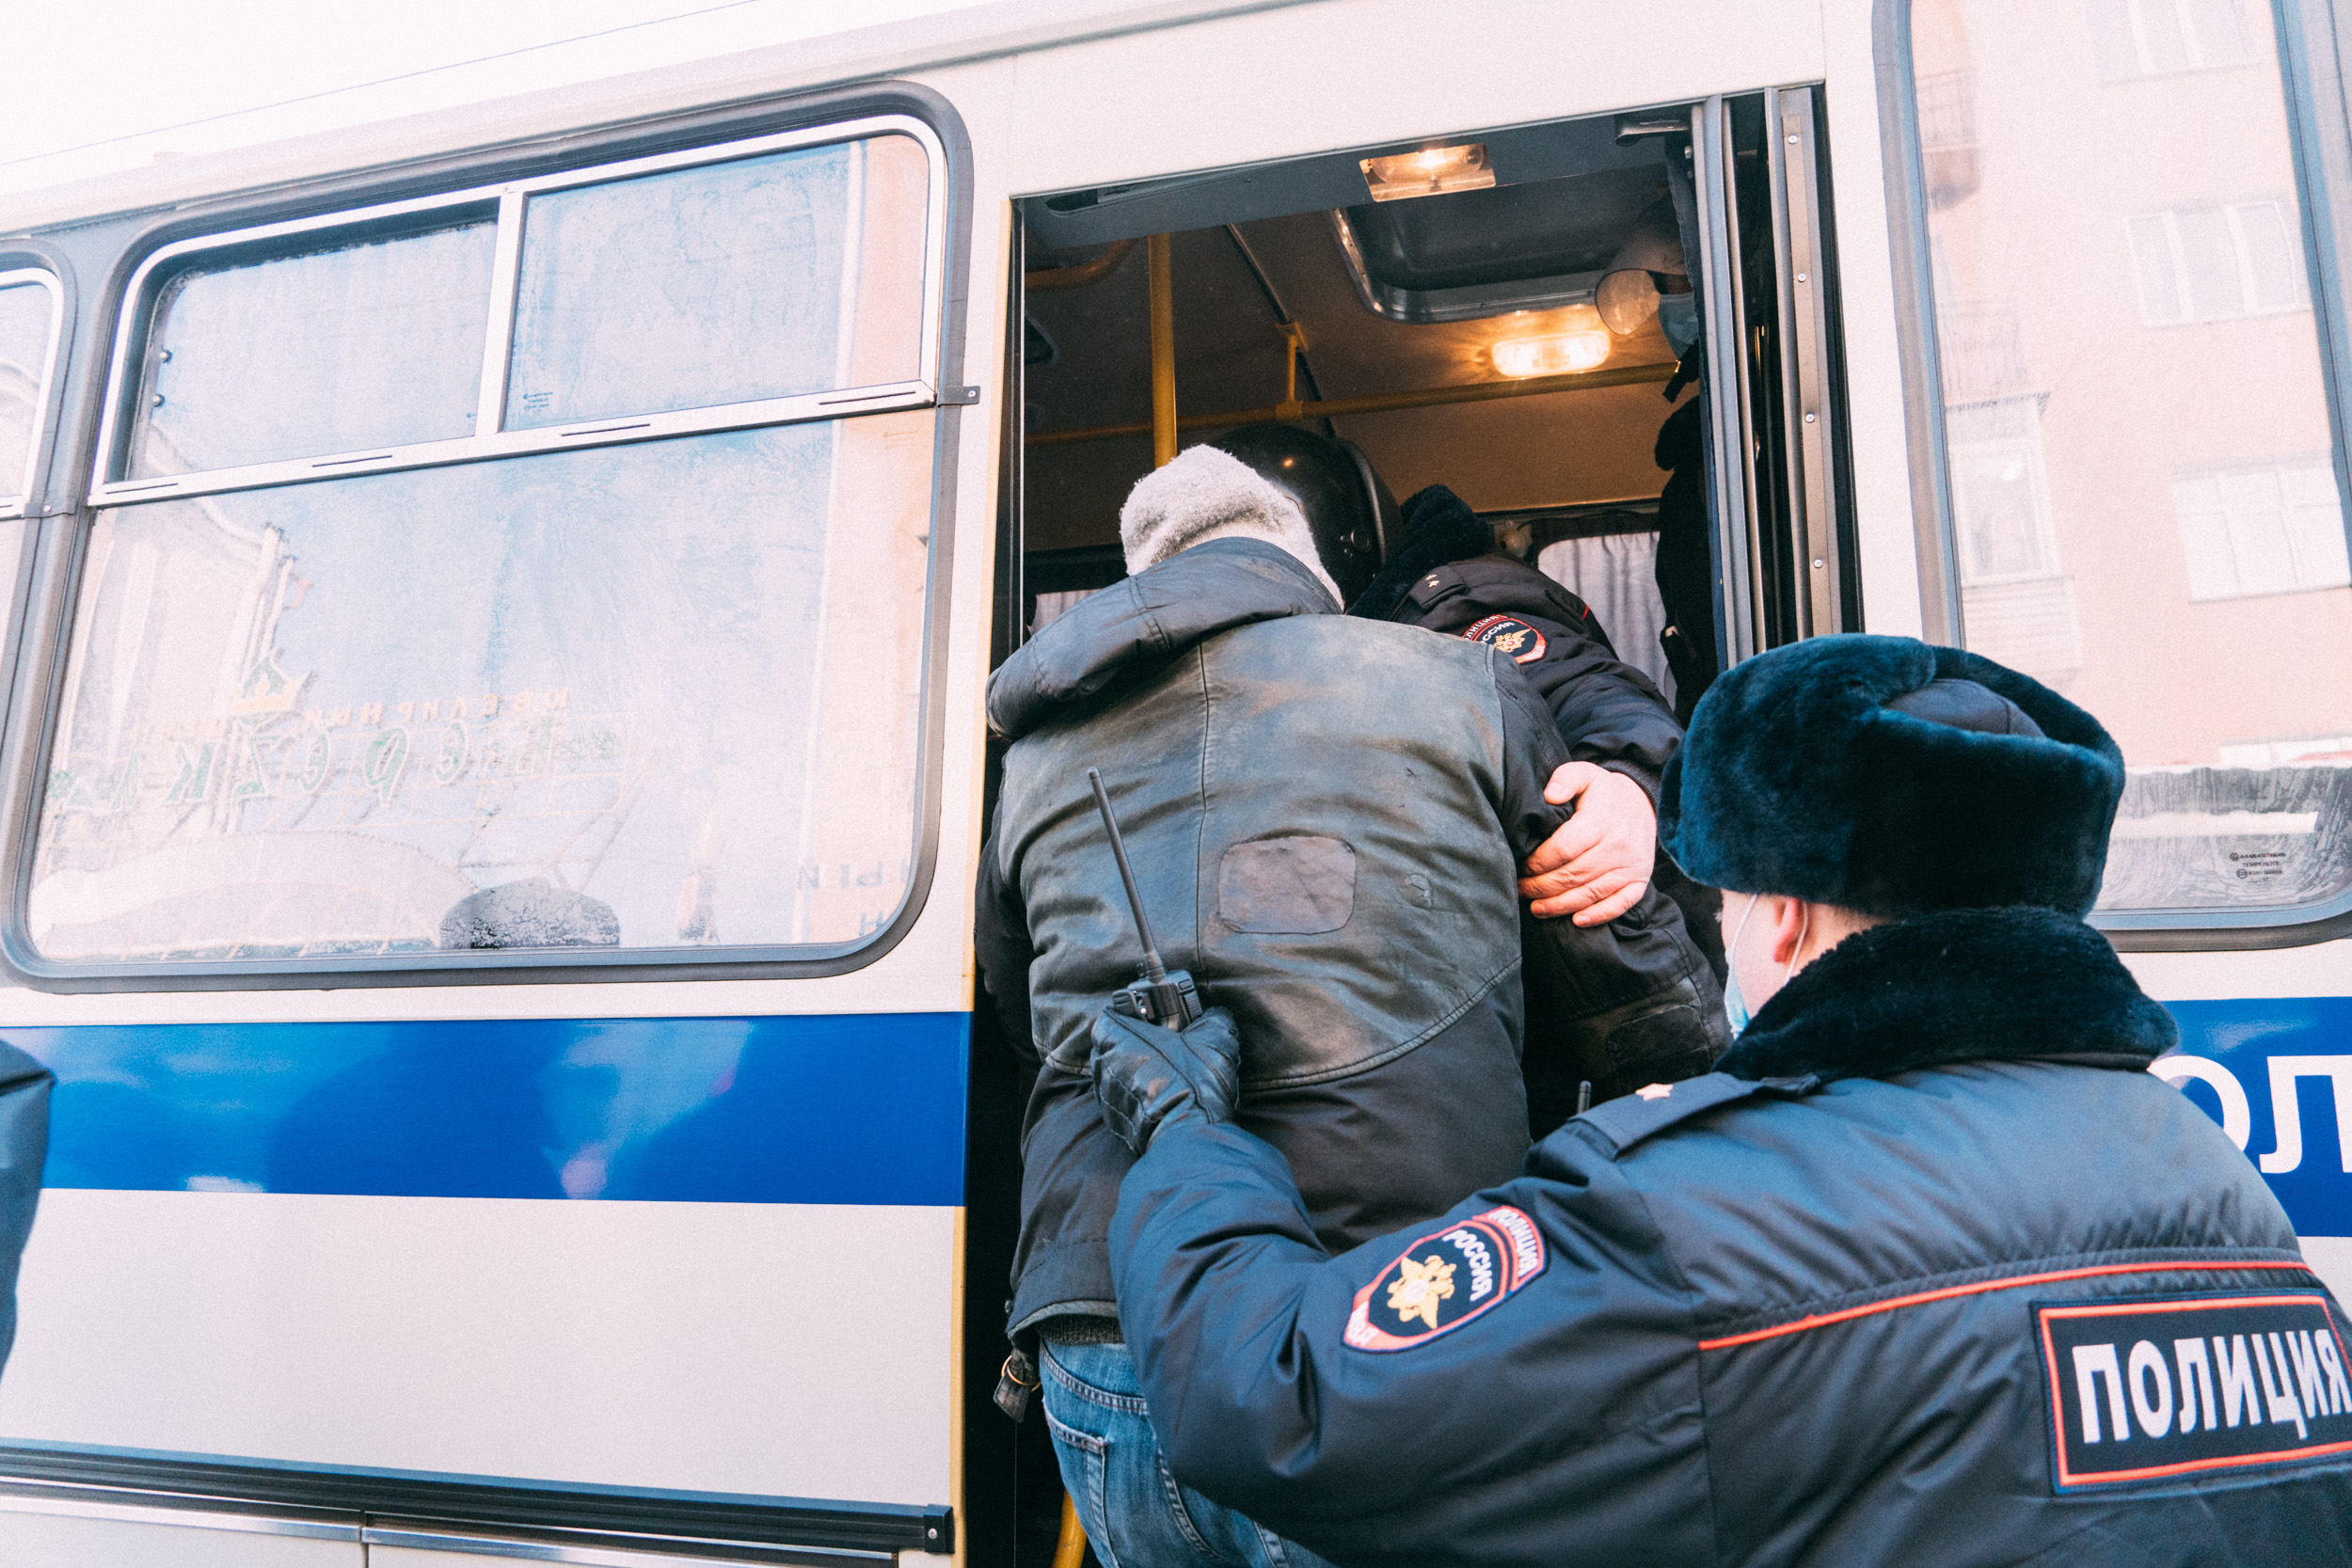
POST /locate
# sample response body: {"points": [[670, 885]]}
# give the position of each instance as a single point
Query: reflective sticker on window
{"points": [[2151, 1387], [1445, 1279]]}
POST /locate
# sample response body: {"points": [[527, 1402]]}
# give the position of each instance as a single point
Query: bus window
{"points": [[2144, 487], [28, 335], [372, 343], [729, 283], [596, 698]]}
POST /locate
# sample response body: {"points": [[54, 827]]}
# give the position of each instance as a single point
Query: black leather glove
{"points": [[1145, 1075]]}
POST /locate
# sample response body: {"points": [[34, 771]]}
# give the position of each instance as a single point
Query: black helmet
{"points": [[1351, 514]]}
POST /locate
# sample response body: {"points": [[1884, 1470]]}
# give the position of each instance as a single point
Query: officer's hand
{"points": [[1146, 1075], [1598, 865]]}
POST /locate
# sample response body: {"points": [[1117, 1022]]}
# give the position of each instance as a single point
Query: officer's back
{"points": [[1931, 1271]]}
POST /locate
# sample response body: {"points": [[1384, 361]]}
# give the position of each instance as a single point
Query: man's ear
{"points": [[1792, 922]]}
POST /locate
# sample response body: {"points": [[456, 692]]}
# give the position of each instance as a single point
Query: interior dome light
{"points": [[1518, 357], [1432, 171]]}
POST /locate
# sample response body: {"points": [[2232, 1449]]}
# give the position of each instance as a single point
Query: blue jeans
{"points": [[1136, 1514]]}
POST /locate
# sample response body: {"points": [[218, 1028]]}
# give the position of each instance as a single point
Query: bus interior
{"points": [[1482, 312]]}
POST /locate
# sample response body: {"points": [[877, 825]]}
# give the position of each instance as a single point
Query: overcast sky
{"points": [[121, 82]]}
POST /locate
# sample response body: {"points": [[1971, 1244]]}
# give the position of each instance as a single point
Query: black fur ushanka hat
{"points": [[1883, 775]]}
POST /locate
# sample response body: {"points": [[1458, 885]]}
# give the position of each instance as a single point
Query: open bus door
{"points": [[1462, 344]]}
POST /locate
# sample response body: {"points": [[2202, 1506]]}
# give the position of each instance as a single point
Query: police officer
{"points": [[25, 1088], [1929, 1271], [1636, 1001], [1325, 817]]}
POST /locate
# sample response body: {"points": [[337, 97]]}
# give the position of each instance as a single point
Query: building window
{"points": [[2000, 492], [2217, 263], [2276, 528], [2138, 39], [1983, 357]]}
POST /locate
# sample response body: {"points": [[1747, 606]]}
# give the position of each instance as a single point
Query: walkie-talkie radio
{"points": [[1164, 996]]}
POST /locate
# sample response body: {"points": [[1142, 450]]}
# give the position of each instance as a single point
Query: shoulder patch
{"points": [[2149, 1387], [1510, 635], [1438, 583], [1445, 1279], [1651, 1109]]}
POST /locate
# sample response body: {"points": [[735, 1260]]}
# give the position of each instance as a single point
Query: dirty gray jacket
{"points": [[1325, 816]]}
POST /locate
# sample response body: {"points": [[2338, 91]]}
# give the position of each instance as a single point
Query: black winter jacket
{"points": [[1660, 1018], [1447, 576], [1325, 817], [1959, 1284]]}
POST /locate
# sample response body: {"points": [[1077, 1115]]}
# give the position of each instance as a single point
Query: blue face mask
{"points": [[1736, 1006], [1679, 319]]}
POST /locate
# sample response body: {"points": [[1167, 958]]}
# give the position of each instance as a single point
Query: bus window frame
{"points": [[19, 267], [110, 485], [2315, 103], [41, 641]]}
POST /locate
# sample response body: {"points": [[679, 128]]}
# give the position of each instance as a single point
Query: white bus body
{"points": [[686, 1238]]}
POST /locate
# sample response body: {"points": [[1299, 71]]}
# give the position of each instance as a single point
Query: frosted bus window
{"points": [[733, 283], [651, 696], [2145, 507], [27, 322], [367, 345]]}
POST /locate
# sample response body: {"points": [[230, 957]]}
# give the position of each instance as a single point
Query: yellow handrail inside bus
{"points": [[1071, 1550], [1157, 252]]}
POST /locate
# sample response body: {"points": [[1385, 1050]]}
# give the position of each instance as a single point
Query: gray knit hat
{"points": [[1205, 494]]}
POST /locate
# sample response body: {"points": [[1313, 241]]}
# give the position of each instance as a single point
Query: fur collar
{"points": [[1134, 627], [1449, 533], [1955, 985]]}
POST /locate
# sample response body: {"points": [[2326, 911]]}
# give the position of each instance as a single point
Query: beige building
{"points": [[2144, 490]]}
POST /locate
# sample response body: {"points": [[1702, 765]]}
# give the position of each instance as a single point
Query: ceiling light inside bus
{"points": [[1558, 355], [1432, 171]]}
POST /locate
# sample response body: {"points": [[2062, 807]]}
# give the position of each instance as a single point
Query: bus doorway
{"points": [[1613, 337]]}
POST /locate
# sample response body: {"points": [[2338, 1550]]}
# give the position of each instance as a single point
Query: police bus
{"points": [[500, 600]]}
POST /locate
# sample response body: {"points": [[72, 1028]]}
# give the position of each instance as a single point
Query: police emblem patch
{"points": [[1445, 1279], [2149, 1387], [1509, 634]]}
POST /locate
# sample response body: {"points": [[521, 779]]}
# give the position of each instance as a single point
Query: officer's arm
{"points": [[1310, 1392], [1606, 711], [25, 1087], [1532, 752]]}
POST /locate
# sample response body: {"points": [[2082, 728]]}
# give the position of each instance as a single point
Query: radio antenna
{"points": [[1154, 970]]}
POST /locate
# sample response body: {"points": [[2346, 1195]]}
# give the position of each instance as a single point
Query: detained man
{"points": [[1633, 1000], [1931, 1272], [1325, 817]]}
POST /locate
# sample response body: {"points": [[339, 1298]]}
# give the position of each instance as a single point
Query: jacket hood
{"points": [[1956, 986], [1135, 626], [1206, 494]]}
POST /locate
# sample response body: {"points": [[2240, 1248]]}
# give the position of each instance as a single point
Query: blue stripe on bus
{"points": [[2243, 1038], [866, 1109]]}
